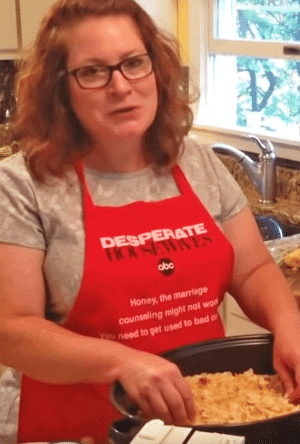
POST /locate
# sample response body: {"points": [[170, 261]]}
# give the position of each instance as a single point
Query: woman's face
{"points": [[124, 108]]}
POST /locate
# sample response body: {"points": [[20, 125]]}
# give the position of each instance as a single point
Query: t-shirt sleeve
{"points": [[212, 182], [20, 222]]}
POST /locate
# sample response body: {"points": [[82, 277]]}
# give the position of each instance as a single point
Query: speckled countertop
{"points": [[287, 205]]}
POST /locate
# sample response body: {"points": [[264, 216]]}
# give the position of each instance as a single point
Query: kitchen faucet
{"points": [[262, 173]]}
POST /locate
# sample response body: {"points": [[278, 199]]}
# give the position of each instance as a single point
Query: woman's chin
{"points": [[129, 131]]}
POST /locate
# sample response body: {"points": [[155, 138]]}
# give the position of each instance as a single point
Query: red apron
{"points": [[154, 275]]}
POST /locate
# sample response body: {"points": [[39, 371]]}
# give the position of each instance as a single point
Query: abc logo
{"points": [[166, 266]]}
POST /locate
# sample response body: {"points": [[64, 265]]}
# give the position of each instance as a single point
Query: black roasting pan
{"points": [[235, 354]]}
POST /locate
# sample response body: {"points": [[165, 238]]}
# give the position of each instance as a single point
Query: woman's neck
{"points": [[125, 157]]}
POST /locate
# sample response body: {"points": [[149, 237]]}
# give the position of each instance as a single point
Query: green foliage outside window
{"points": [[268, 86]]}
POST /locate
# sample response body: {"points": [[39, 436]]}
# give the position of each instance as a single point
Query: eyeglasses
{"points": [[98, 76]]}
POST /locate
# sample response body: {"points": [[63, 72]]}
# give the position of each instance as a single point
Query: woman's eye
{"points": [[92, 71], [135, 63]]}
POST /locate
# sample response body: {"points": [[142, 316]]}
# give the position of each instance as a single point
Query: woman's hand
{"points": [[87, 440], [286, 361], [157, 387]]}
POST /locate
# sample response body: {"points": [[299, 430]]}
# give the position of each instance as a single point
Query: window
{"points": [[249, 57]]}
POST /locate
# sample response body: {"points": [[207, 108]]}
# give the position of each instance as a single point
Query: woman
{"points": [[110, 250]]}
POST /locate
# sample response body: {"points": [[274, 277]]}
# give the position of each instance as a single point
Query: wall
{"points": [[163, 12], [183, 29]]}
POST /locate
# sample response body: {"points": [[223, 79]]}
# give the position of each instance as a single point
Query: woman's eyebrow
{"points": [[126, 55]]}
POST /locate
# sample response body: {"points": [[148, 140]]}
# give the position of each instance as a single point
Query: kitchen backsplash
{"points": [[288, 179], [7, 76], [287, 205]]}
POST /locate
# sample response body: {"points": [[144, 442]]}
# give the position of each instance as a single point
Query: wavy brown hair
{"points": [[51, 136]]}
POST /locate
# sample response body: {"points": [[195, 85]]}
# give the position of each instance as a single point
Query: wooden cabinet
{"points": [[19, 21], [8, 26], [31, 13]]}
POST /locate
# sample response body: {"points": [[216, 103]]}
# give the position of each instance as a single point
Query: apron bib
{"points": [[154, 276]]}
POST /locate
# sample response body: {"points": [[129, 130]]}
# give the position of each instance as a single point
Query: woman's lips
{"points": [[124, 110]]}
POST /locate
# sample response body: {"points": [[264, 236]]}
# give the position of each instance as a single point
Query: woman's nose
{"points": [[119, 84]]}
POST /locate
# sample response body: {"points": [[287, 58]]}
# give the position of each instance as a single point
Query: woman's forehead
{"points": [[108, 38]]}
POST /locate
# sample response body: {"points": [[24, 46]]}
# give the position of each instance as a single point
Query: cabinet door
{"points": [[8, 25], [32, 12]]}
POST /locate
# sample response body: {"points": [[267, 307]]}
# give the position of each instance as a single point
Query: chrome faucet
{"points": [[261, 173]]}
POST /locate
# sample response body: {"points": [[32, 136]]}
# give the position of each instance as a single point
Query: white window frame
{"points": [[202, 45]]}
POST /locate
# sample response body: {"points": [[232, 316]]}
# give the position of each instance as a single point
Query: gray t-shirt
{"points": [[50, 216]]}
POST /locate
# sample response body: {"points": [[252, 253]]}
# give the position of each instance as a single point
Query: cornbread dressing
{"points": [[293, 259], [223, 398]]}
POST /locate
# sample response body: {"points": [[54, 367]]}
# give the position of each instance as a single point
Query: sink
{"points": [[272, 228]]}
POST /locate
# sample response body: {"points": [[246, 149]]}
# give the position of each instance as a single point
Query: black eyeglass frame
{"points": [[111, 69]]}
